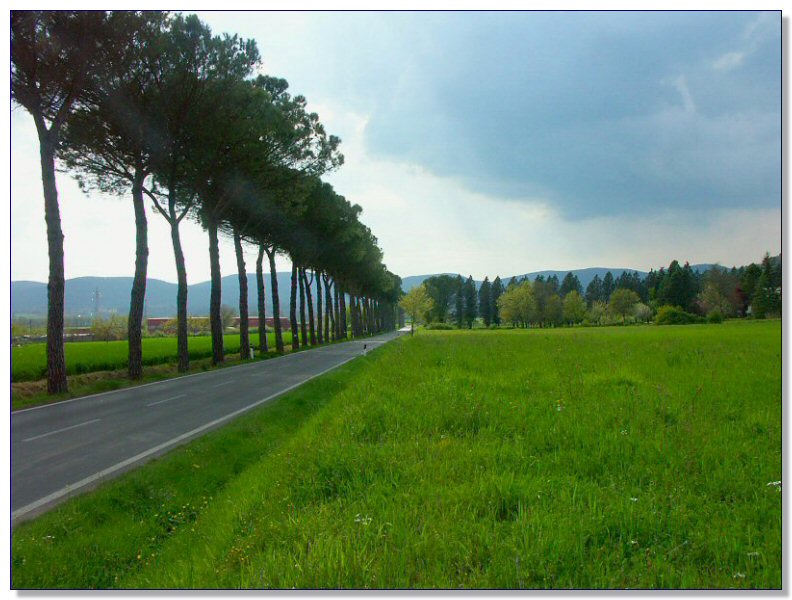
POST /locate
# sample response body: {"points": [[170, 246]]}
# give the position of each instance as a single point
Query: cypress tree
{"points": [[471, 310], [594, 290], [459, 310], [552, 284], [497, 290], [767, 298], [485, 301], [608, 286], [570, 284]]}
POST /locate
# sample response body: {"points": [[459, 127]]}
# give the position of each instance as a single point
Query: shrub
{"points": [[596, 313], [715, 316], [112, 328], [674, 315], [443, 326], [494, 326], [642, 312]]}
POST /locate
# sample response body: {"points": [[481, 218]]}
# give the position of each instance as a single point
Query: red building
{"points": [[156, 323], [268, 321]]}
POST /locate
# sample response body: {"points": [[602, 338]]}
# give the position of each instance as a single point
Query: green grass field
{"points": [[29, 362], [570, 458]]}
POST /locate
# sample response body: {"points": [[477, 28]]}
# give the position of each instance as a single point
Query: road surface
{"points": [[64, 449]]}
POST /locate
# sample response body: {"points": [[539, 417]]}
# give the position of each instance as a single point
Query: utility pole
{"points": [[96, 302]]}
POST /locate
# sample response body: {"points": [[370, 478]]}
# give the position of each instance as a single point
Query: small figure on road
{"points": [[364, 349]]}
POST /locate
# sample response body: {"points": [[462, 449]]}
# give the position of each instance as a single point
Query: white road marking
{"points": [[70, 489], [224, 383], [36, 437], [166, 400]]}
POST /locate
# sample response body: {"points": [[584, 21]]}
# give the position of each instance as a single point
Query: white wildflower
{"points": [[739, 575], [362, 520], [775, 484]]}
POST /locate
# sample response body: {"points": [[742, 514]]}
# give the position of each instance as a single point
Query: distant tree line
{"points": [[753, 290], [155, 107]]}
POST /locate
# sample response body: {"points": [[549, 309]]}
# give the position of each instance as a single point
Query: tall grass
{"points": [[29, 362], [574, 458]]}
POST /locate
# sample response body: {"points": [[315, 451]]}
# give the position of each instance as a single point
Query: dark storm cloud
{"points": [[600, 113]]}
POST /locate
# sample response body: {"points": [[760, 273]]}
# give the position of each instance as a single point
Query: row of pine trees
{"points": [[154, 107]]}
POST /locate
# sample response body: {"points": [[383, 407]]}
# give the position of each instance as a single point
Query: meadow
{"points": [[29, 362], [640, 457]]}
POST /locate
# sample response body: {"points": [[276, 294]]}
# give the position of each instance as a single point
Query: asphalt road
{"points": [[64, 449]]}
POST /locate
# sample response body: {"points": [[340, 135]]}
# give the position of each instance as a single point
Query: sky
{"points": [[491, 143]]}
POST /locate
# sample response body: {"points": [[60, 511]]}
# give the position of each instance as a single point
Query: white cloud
{"points": [[765, 26], [680, 83], [729, 61]]}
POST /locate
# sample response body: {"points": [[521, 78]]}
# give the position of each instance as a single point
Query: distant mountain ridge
{"points": [[30, 297]]}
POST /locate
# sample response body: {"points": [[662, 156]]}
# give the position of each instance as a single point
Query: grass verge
{"points": [[640, 457]]}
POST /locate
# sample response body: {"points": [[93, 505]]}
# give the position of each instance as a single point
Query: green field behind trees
{"points": [[543, 458], [30, 362]]}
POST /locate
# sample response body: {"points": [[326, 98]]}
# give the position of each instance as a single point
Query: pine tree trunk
{"points": [[329, 324], [318, 278], [244, 320], [336, 312], [215, 320], [293, 309], [275, 301], [262, 301], [181, 296], [138, 295], [56, 285], [352, 322], [353, 316], [303, 324], [358, 322], [309, 298], [342, 314], [363, 317]]}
